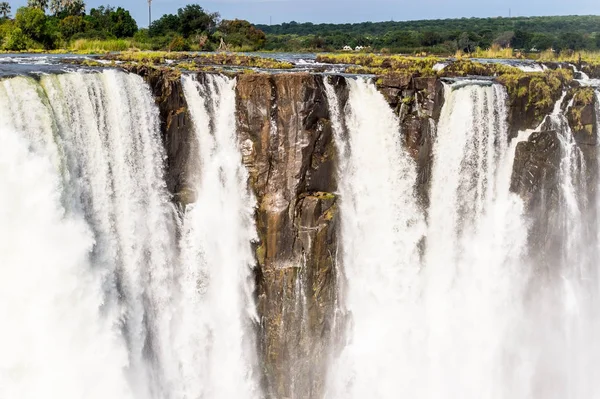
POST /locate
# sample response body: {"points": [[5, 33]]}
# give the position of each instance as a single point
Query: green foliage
{"points": [[193, 20], [584, 96], [15, 40], [178, 44], [442, 36], [115, 22], [32, 21], [241, 34], [71, 25]]}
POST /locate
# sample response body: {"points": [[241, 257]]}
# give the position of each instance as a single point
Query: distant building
{"points": [[347, 48], [359, 48]]}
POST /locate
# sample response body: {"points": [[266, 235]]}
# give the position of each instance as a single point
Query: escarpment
{"points": [[285, 133], [286, 140]]}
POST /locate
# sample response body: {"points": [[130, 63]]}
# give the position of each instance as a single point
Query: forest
{"points": [[441, 36], [67, 25]]}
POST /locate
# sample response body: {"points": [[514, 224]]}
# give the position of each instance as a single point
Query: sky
{"points": [[339, 11]]}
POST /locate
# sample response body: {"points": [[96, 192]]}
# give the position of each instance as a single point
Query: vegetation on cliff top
{"points": [[196, 61], [441, 36], [66, 25]]}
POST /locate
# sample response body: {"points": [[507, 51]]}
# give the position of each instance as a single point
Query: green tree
{"points": [[4, 9], [123, 24], [241, 33], [572, 41], [15, 40], [505, 39], [522, 40], [542, 41], [163, 26], [116, 22], [32, 21], [194, 20], [431, 38], [71, 25], [64, 8]]}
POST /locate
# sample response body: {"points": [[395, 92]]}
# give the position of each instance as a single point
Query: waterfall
{"points": [[413, 320], [100, 239], [381, 228], [105, 300], [474, 279], [217, 259]]}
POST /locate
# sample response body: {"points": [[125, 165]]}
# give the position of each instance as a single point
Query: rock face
{"points": [[287, 145], [176, 128], [418, 102], [288, 149], [535, 178], [537, 175]]}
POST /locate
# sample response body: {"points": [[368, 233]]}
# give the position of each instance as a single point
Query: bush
{"points": [[178, 44], [15, 40], [32, 22]]}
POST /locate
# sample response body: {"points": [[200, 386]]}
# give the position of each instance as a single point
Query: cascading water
{"points": [[413, 321], [382, 226], [107, 150], [58, 340], [110, 292], [216, 281], [473, 276], [110, 305]]}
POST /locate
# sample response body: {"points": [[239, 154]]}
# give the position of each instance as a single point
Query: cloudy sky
{"points": [[260, 11]]}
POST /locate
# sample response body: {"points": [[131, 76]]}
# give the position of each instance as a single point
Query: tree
{"points": [[166, 24], [32, 22], [15, 40], [123, 24], [40, 4], [117, 22], [4, 9], [505, 39], [465, 43], [193, 20], [71, 25], [522, 40], [542, 41], [64, 8], [431, 38], [240, 33], [56, 6]]}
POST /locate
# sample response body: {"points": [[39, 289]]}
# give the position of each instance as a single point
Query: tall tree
{"points": [[64, 8], [5, 9], [56, 6], [41, 4]]}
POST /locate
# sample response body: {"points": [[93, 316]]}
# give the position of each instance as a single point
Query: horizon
{"points": [[276, 12]]}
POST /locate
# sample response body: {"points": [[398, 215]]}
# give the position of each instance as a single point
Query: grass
{"points": [[496, 52], [194, 61], [382, 64], [105, 46], [592, 57]]}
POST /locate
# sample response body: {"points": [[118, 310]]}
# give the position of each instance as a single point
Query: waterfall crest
{"points": [[217, 259], [381, 228], [129, 310]]}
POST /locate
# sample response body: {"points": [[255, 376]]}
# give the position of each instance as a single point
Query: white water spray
{"points": [[216, 282], [59, 339], [381, 228]]}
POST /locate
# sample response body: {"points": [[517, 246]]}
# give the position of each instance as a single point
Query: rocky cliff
{"points": [[285, 136]]}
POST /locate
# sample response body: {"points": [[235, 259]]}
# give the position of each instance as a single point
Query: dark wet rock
{"points": [[535, 178], [284, 129], [176, 128]]}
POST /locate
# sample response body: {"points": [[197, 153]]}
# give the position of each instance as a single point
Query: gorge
{"points": [[170, 234]]}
